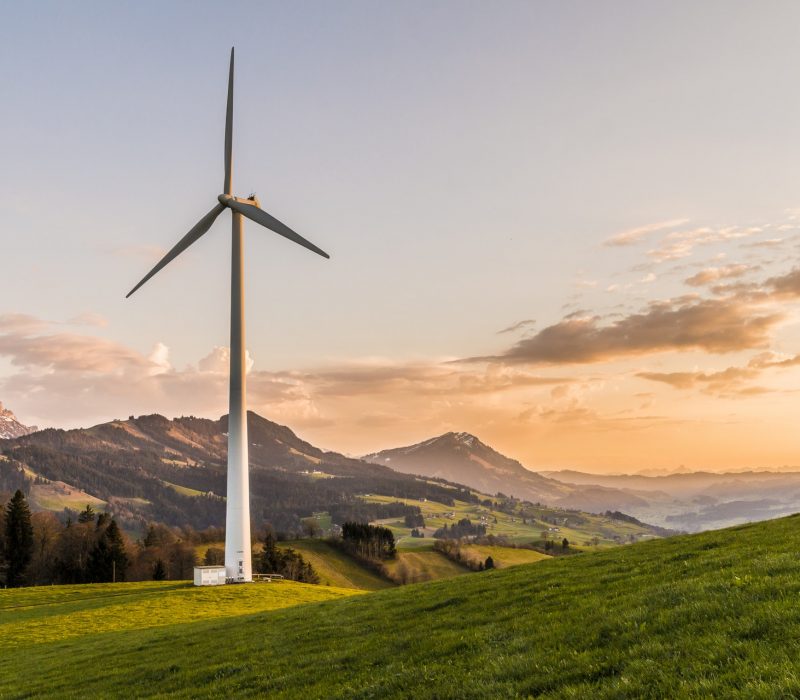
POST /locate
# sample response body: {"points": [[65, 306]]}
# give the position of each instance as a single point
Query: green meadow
{"points": [[713, 615]]}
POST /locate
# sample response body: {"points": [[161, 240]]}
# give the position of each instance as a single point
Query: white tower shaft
{"points": [[238, 549]]}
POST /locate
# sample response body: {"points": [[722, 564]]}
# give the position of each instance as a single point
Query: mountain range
{"points": [[173, 471]]}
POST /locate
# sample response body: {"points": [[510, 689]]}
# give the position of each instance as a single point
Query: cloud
{"points": [[219, 360], [71, 379], [635, 235], [688, 323], [681, 244], [69, 352], [787, 285], [89, 318], [735, 320], [22, 324], [519, 325], [729, 382], [766, 243], [714, 274]]}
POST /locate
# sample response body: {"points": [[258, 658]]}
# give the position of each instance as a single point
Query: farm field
{"points": [[503, 557], [707, 615], [417, 565], [580, 528]]}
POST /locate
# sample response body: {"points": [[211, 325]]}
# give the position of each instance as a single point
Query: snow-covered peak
{"points": [[466, 439], [10, 427]]}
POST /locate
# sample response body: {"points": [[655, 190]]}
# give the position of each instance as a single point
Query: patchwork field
{"points": [[580, 529]]}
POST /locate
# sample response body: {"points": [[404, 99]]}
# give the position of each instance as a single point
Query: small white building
{"points": [[209, 575]]}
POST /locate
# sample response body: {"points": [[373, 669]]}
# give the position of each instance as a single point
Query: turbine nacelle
{"points": [[252, 199]]}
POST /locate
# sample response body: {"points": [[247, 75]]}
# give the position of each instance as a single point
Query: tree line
{"points": [[90, 547]]}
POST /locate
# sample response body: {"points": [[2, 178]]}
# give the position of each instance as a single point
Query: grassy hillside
{"points": [[709, 615], [422, 564], [503, 557], [336, 568]]}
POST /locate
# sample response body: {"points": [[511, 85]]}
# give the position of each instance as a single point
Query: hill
{"points": [[708, 615], [463, 458]]}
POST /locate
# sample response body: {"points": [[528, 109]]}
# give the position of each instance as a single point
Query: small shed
{"points": [[209, 575]]}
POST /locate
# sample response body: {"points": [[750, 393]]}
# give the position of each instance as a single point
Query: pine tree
{"points": [[86, 515], [18, 539], [159, 571], [270, 559], [108, 559], [489, 563], [119, 556]]}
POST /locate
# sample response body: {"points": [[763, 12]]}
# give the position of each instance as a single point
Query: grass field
{"points": [[503, 557], [713, 615], [335, 568], [56, 496], [35, 616], [419, 565]]}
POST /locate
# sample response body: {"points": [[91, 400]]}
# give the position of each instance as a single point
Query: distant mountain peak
{"points": [[10, 427], [466, 439]]}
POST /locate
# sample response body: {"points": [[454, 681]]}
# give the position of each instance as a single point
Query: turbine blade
{"points": [[197, 230], [268, 221], [229, 132]]}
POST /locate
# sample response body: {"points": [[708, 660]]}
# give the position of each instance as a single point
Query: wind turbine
{"points": [[238, 566]]}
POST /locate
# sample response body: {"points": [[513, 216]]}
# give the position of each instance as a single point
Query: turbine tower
{"points": [[238, 554]]}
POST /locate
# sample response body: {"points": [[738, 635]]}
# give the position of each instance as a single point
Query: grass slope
{"points": [[709, 615], [503, 556], [423, 565], [335, 568]]}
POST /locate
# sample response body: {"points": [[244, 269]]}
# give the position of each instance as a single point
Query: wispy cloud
{"points": [[681, 244], [732, 382], [518, 326], [711, 275], [636, 235]]}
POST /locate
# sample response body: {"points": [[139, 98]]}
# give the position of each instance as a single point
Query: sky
{"points": [[570, 228]]}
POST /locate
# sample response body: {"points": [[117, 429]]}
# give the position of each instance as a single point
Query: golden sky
{"points": [[570, 229]]}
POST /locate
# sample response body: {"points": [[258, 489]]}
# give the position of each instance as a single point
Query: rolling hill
{"points": [[707, 615]]}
